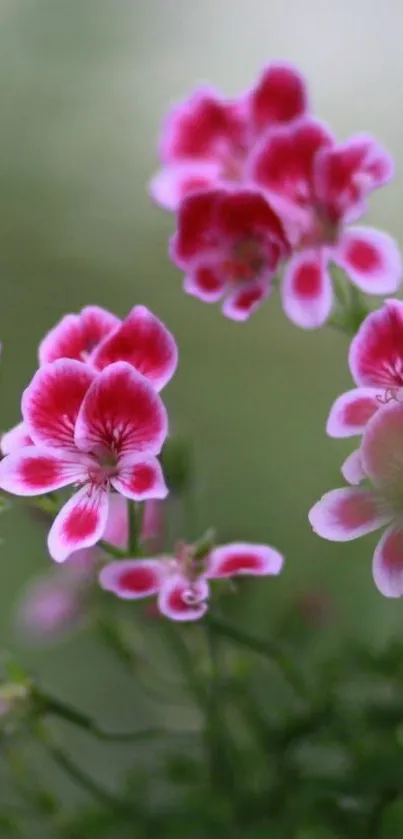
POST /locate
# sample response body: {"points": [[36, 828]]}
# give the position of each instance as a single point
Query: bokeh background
{"points": [[84, 85]]}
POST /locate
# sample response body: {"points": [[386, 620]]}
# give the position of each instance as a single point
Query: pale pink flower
{"points": [[348, 513], [181, 583]]}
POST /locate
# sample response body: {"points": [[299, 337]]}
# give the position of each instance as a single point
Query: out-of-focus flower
{"points": [[95, 430], [230, 244], [319, 187], [181, 582], [206, 139], [100, 338], [376, 365], [348, 513]]}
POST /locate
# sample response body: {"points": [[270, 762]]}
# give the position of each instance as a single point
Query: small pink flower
{"points": [[348, 513], [50, 608], [181, 583], [229, 243], [99, 338], [206, 139], [376, 365], [94, 430], [319, 187]]}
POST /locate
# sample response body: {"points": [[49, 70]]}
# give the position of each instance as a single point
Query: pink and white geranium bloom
{"points": [[98, 431], [100, 338], [230, 244], [376, 365], [181, 582], [319, 187], [348, 513], [206, 139]]}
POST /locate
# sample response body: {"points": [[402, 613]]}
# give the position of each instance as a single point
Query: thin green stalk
{"points": [[112, 550], [49, 706], [274, 652], [135, 517]]}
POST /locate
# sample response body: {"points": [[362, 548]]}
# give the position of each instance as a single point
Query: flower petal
{"points": [[117, 526], [195, 227], [144, 342], [371, 259], [51, 402], [280, 95], [33, 471], [245, 299], [181, 600], [243, 558], [347, 513], [173, 183], [132, 579], [376, 351], [382, 447], [76, 335], [205, 283], [307, 290], [351, 412], [387, 565], [352, 468], [80, 523], [15, 438], [140, 479], [122, 414]]}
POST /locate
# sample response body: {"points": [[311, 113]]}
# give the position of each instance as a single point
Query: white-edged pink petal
{"points": [[205, 283], [144, 342], [387, 564], [121, 413], [182, 600], [243, 558], [351, 412], [382, 447], [15, 438], [140, 479], [80, 523], [376, 351], [132, 579], [347, 513], [76, 335], [306, 290], [174, 182], [51, 402], [371, 259], [34, 470], [352, 468], [245, 299]]}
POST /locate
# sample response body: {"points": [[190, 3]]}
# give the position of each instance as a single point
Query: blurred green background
{"points": [[84, 85]]}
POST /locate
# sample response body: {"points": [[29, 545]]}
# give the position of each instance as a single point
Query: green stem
{"points": [[134, 517], [274, 652], [80, 778], [48, 705], [116, 553]]}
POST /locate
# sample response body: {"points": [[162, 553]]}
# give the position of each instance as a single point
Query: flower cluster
{"points": [[373, 410], [93, 419], [258, 184]]}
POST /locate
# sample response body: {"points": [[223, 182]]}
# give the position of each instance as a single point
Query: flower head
{"points": [[206, 139], [319, 187], [376, 365], [348, 513], [230, 244], [181, 582], [97, 431]]}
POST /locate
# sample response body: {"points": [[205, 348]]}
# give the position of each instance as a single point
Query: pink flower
{"points": [[181, 583], [319, 187], [94, 430], [206, 139], [229, 243], [376, 365], [99, 338], [50, 608], [348, 513]]}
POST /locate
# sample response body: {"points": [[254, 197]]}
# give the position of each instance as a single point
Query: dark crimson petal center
{"points": [[138, 580], [239, 563]]}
